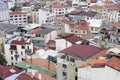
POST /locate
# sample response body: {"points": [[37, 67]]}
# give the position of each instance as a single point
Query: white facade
{"points": [[18, 18], [10, 4], [4, 12], [15, 52], [103, 73], [95, 25], [62, 44], [42, 17]]}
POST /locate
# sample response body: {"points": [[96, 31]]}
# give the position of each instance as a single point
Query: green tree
{"points": [[2, 60]]}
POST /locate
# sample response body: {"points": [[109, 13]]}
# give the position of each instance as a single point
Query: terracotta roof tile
{"points": [[114, 63], [36, 30], [67, 21], [100, 54], [57, 5], [17, 12], [83, 51], [19, 42], [25, 77], [44, 63], [8, 71], [116, 24]]}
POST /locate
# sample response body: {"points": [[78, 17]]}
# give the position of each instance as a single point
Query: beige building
{"points": [[72, 58]]}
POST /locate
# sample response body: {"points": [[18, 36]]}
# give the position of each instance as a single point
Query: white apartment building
{"points": [[4, 12], [42, 16], [80, 3], [18, 18], [58, 9], [16, 48], [95, 25]]}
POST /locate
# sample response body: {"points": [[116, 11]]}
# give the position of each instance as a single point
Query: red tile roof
{"points": [[19, 42], [114, 63], [17, 12], [6, 71], [88, 36], [83, 51], [57, 5], [102, 53], [44, 63], [116, 24], [36, 30], [80, 26], [25, 77], [71, 37], [43, 76], [111, 7], [67, 21]]}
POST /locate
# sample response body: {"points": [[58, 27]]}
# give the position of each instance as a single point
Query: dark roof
{"points": [[19, 42], [45, 31], [6, 71], [25, 77], [7, 26], [82, 51], [114, 63], [71, 37]]}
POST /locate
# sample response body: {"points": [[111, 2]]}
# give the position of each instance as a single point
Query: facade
{"points": [[18, 18], [109, 12], [95, 25], [42, 16], [16, 49], [58, 9], [4, 12], [72, 58], [80, 3], [100, 70]]}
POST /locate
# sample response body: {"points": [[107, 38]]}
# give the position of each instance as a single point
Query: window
{"points": [[72, 60], [23, 47], [64, 66], [13, 47], [21, 53], [11, 52], [64, 74], [11, 58], [71, 30], [83, 31], [76, 69]]}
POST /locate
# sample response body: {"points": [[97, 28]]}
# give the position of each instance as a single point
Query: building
{"points": [[58, 9], [18, 18], [4, 12], [80, 3], [47, 34], [95, 25], [42, 16], [17, 48], [72, 58], [101, 70]]}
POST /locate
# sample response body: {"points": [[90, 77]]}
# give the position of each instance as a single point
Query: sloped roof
{"points": [[114, 63], [82, 51], [43, 70], [24, 76], [7, 71]]}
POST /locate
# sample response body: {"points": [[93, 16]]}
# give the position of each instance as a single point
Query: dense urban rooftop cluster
{"points": [[60, 39]]}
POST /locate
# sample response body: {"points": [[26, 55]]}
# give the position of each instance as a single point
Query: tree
{"points": [[2, 60]]}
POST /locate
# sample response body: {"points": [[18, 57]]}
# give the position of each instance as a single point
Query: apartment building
{"points": [[18, 18], [72, 58], [58, 9], [17, 48], [80, 3], [4, 12], [109, 12], [43, 16]]}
